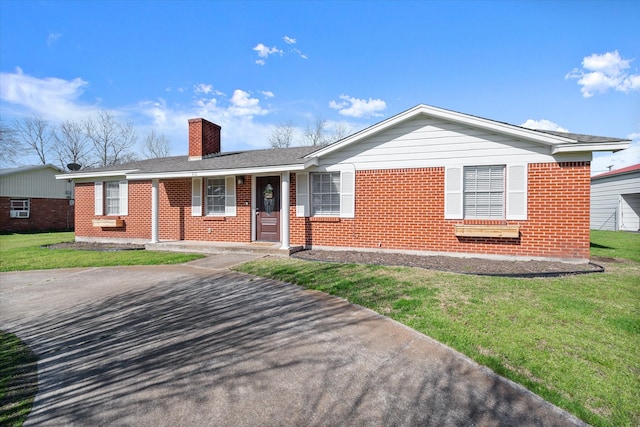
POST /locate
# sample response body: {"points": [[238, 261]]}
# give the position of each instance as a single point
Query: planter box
{"points": [[502, 231], [108, 223]]}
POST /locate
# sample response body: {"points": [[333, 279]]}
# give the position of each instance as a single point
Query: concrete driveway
{"points": [[199, 345]]}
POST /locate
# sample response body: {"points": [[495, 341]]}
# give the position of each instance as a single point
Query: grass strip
{"points": [[18, 380], [20, 252]]}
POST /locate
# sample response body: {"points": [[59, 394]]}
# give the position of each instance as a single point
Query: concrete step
{"points": [[266, 248]]}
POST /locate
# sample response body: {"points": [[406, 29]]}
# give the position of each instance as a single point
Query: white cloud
{"points": [[543, 125], [243, 105], [264, 52], [235, 116], [52, 98], [202, 88], [601, 73], [355, 107], [52, 38], [267, 93]]}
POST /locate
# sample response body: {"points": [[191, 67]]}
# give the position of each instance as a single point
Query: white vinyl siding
{"points": [[428, 142], [612, 201], [196, 197], [215, 196], [325, 193], [35, 182], [484, 192], [302, 194]]}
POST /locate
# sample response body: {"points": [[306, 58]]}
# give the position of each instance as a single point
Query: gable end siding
{"points": [[428, 142]]}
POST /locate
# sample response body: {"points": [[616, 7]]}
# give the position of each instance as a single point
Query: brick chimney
{"points": [[204, 138]]}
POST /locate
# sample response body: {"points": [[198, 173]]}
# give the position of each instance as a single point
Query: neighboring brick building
{"points": [[31, 199], [427, 180]]}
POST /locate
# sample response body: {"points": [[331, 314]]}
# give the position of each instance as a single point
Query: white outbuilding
{"points": [[615, 200]]}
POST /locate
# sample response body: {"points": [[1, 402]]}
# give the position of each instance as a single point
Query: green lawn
{"points": [[18, 381], [573, 340], [615, 245], [20, 252]]}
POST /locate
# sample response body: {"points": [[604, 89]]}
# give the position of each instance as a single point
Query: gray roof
{"points": [[11, 171], [222, 161], [578, 137], [276, 157]]}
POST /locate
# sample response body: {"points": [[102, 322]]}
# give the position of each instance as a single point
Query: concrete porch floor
{"points": [[266, 248]]}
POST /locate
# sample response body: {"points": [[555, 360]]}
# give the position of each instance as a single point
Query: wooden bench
{"points": [[108, 223], [501, 231]]}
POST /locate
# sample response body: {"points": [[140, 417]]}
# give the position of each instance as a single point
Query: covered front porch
{"points": [[244, 194]]}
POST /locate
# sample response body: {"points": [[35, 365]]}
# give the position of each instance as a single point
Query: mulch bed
{"points": [[475, 266]]}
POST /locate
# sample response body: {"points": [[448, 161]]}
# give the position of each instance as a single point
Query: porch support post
{"points": [[154, 211], [284, 191]]}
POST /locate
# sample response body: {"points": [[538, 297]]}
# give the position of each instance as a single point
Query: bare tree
{"points": [[282, 135], [340, 131], [10, 146], [111, 139], [155, 146], [314, 135], [72, 144], [35, 134]]}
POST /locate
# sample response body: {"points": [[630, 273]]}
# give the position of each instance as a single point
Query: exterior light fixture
{"points": [[240, 179]]}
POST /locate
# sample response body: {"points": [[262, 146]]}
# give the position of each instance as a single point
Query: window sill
{"points": [[324, 219], [215, 218], [501, 231], [108, 222]]}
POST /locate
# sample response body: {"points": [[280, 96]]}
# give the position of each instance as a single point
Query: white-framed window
{"points": [[484, 192], [325, 193], [19, 208], [219, 196], [216, 196], [111, 198], [330, 193]]}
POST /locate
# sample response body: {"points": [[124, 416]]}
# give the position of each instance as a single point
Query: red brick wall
{"points": [[404, 209], [175, 220], [395, 209], [45, 214], [137, 225]]}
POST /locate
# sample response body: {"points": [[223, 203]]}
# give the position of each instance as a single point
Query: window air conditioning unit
{"points": [[19, 214]]}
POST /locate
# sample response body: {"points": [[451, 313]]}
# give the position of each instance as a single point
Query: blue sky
{"points": [[250, 66]]}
